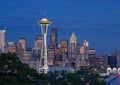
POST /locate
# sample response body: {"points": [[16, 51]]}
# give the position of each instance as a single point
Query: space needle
{"points": [[43, 66]]}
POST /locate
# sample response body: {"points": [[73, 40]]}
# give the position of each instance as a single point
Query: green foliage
{"points": [[14, 72], [82, 77]]}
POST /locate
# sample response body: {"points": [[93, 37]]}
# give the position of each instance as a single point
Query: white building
{"points": [[73, 43], [2, 41]]}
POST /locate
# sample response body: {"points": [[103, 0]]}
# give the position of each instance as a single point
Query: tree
{"points": [[14, 72]]}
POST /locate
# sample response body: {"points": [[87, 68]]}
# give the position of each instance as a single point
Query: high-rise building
{"points": [[82, 50], [64, 46], [2, 41], [51, 57], [53, 39], [78, 57], [86, 51], [57, 57], [22, 44], [82, 56], [103, 60], [25, 57], [94, 61], [73, 43], [64, 51], [78, 48], [38, 41], [113, 62], [86, 43], [54, 44], [117, 56], [11, 47], [36, 53]]}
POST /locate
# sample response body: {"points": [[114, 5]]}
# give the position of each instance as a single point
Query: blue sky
{"points": [[97, 21]]}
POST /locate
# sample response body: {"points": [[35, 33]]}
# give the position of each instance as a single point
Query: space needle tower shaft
{"points": [[43, 67]]}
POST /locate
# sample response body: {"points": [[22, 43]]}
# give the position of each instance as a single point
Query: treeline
{"points": [[14, 72]]}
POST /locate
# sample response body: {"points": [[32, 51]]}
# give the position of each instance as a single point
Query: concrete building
{"points": [[117, 55], [51, 54], [38, 41], [22, 44], [11, 47], [57, 57], [64, 51], [36, 53], [78, 56], [86, 50], [53, 39], [73, 43], [2, 41], [112, 61]]}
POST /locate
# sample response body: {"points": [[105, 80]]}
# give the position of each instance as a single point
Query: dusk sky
{"points": [[97, 21]]}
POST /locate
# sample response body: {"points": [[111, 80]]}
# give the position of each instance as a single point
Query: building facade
{"points": [[38, 41], [86, 51], [51, 55], [53, 39], [22, 44], [2, 41], [64, 51], [73, 43], [11, 47]]}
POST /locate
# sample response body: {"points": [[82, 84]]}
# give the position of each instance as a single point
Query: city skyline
{"points": [[94, 20]]}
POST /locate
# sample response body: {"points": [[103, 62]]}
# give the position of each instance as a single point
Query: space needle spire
{"points": [[43, 66]]}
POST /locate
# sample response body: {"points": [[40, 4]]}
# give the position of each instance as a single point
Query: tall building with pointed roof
{"points": [[73, 43]]}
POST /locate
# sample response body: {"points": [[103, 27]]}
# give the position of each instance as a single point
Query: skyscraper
{"points": [[82, 50], [64, 51], [51, 57], [36, 53], [73, 43], [54, 45], [2, 41], [53, 39], [86, 50], [64, 46], [38, 41], [117, 56], [78, 48], [57, 57], [78, 58], [22, 44]]}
